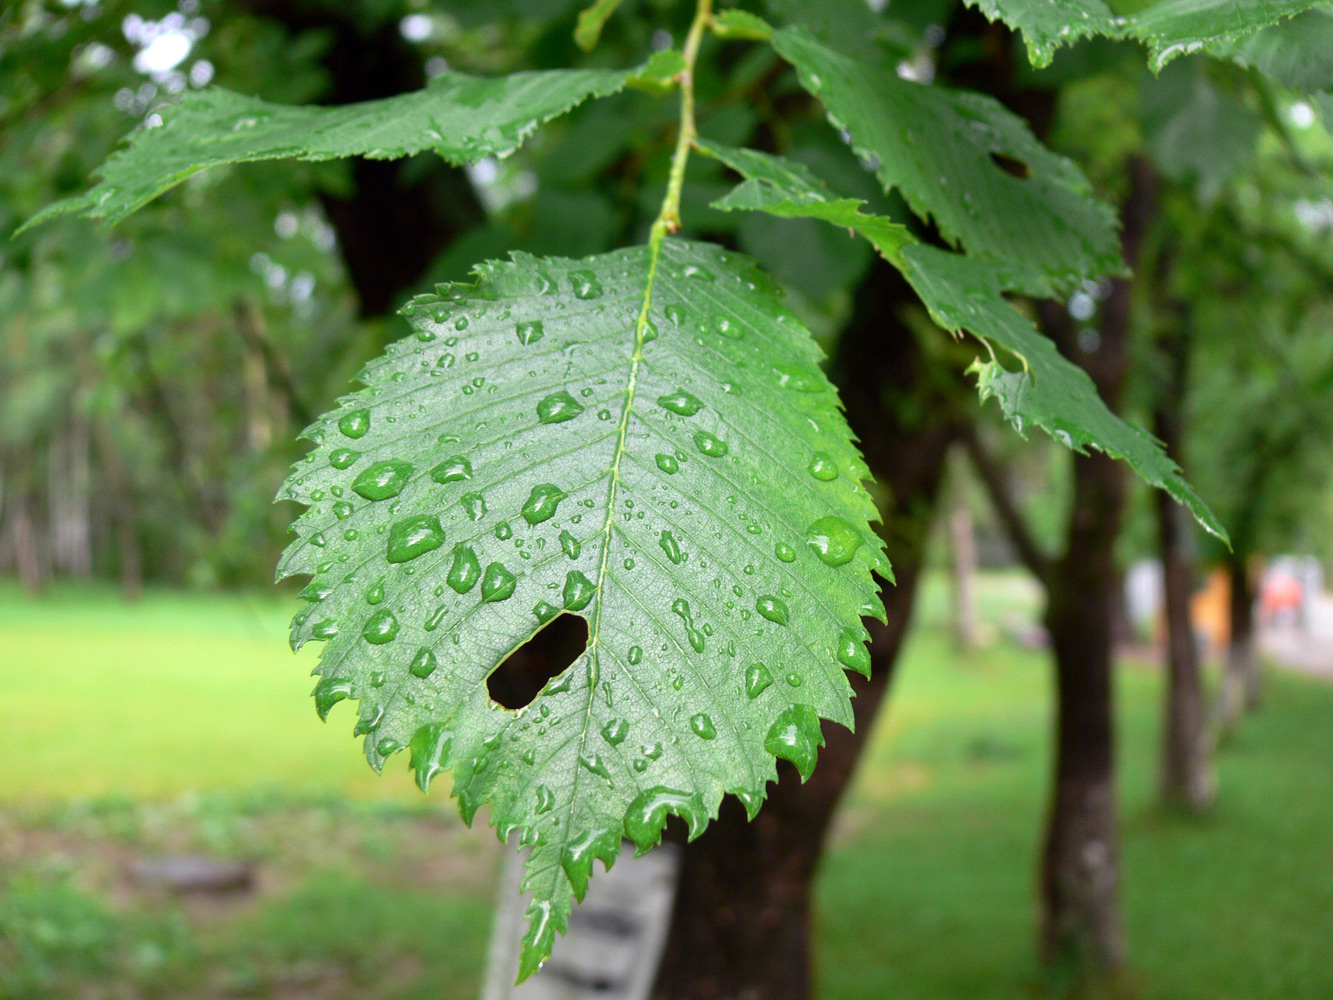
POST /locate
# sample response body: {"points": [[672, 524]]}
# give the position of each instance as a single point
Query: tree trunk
{"points": [[1187, 773], [742, 922], [24, 538], [963, 566], [1241, 686]]}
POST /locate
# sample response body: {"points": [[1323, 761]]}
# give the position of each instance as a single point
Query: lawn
{"points": [[183, 724]]}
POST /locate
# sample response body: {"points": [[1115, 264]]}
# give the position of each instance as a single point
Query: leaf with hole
{"points": [[665, 461]]}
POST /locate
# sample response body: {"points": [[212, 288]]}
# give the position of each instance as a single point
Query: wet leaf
{"points": [[666, 461]]}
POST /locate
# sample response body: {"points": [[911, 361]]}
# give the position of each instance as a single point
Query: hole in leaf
{"points": [[1011, 166], [525, 671]]}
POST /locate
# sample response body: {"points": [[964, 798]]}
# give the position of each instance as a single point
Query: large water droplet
{"points": [[342, 510], [709, 444], [328, 692], [585, 285], [852, 651], [823, 468], [671, 547], [542, 503], [474, 504], [772, 608], [342, 458], [668, 464], [545, 799], [569, 545], [796, 737], [784, 552], [376, 593], [834, 540], [703, 727], [558, 407], [681, 402], [531, 332], [452, 470], [647, 815], [729, 329], [382, 627], [497, 584], [465, 571], [796, 378], [579, 591], [383, 479], [414, 537], [593, 762], [757, 679], [355, 424], [615, 732], [423, 664]]}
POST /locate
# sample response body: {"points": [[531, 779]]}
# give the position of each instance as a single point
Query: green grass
{"points": [[182, 723]]}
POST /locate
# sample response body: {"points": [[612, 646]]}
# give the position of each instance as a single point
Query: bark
{"points": [[963, 567], [1080, 926], [1241, 684], [742, 923], [24, 538], [1187, 772]]}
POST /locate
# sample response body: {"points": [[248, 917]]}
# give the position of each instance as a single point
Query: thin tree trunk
{"points": [[1240, 674], [1187, 773], [963, 566], [742, 923], [24, 537]]}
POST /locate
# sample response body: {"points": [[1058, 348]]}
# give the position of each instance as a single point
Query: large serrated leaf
{"points": [[1045, 390], [1298, 52], [1172, 28], [1048, 24], [951, 154], [462, 118], [962, 294], [643, 441]]}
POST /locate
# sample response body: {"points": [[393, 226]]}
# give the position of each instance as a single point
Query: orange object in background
{"points": [[1281, 594], [1210, 609]]}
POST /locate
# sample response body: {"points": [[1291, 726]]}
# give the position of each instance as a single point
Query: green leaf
{"points": [[951, 153], [591, 22], [1298, 52], [646, 442], [1173, 28], [1048, 24], [463, 118], [789, 190], [740, 24], [1047, 390]]}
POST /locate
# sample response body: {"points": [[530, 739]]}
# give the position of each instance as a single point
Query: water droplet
{"points": [[593, 762], [381, 628], [757, 679], [796, 737], [383, 479], [794, 679], [647, 815], [668, 464], [709, 444], [542, 503], [545, 611], [772, 608], [452, 470], [341, 458], [834, 540], [784, 552], [437, 616], [558, 407], [675, 315], [465, 571], [852, 651], [530, 333], [671, 547], [376, 593], [635, 655], [570, 545], [355, 424], [681, 402], [497, 584], [585, 285], [414, 537], [423, 664], [796, 378], [342, 510], [503, 531], [579, 591], [545, 799], [430, 748], [703, 727], [474, 504], [325, 629], [823, 468], [729, 329], [615, 731], [328, 692]]}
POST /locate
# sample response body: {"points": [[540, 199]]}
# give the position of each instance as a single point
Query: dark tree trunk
{"points": [[1080, 868], [963, 573], [742, 923], [1187, 774], [1241, 684]]}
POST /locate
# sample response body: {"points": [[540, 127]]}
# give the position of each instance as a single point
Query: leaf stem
{"points": [[668, 220]]}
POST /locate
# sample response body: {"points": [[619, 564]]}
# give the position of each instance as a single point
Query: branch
{"points": [[1002, 500]]}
